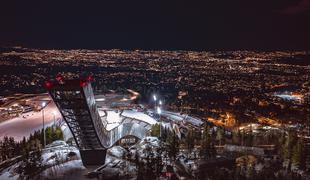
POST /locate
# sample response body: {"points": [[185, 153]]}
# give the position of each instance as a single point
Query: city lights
{"points": [[225, 108]]}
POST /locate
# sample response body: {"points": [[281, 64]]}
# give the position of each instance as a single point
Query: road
{"points": [[29, 122]]}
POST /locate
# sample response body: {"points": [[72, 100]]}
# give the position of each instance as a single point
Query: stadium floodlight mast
{"points": [[44, 137], [159, 113], [154, 97], [155, 101]]}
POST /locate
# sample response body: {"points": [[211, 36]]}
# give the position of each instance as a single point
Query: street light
{"points": [[54, 114], [44, 138], [160, 102], [154, 97]]}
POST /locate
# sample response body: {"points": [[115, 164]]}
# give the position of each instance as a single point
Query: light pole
{"points": [[159, 113], [44, 138], [157, 110], [54, 114], [155, 99]]}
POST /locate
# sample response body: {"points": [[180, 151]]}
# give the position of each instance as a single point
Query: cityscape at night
{"points": [[155, 91]]}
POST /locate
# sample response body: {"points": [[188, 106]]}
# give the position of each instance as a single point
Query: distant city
{"points": [[177, 112], [250, 85]]}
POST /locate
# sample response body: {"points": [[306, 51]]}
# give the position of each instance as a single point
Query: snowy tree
{"points": [[31, 163], [155, 130], [173, 145]]}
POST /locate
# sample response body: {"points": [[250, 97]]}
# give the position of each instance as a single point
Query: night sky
{"points": [[157, 24]]}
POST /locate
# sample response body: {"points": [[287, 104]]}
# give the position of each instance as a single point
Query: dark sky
{"points": [[157, 24]]}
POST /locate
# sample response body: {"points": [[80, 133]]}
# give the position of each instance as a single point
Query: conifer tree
{"points": [[298, 154], [190, 141], [173, 145]]}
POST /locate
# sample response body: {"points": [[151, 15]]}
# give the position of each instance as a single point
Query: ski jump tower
{"points": [[76, 103]]}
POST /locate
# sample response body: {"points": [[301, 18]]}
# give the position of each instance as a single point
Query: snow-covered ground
{"points": [[117, 151], [139, 115], [58, 159], [62, 161], [65, 170], [7, 175], [114, 118], [148, 141]]}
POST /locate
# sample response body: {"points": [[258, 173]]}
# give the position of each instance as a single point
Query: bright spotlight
{"points": [[43, 104], [154, 97]]}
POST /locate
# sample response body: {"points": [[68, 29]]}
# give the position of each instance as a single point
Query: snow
{"points": [[289, 96], [111, 126], [101, 112], [113, 117], [57, 148], [59, 171], [62, 152], [182, 117], [147, 141], [150, 139], [194, 121], [9, 176], [173, 116], [140, 116], [66, 132], [57, 143], [117, 151]]}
